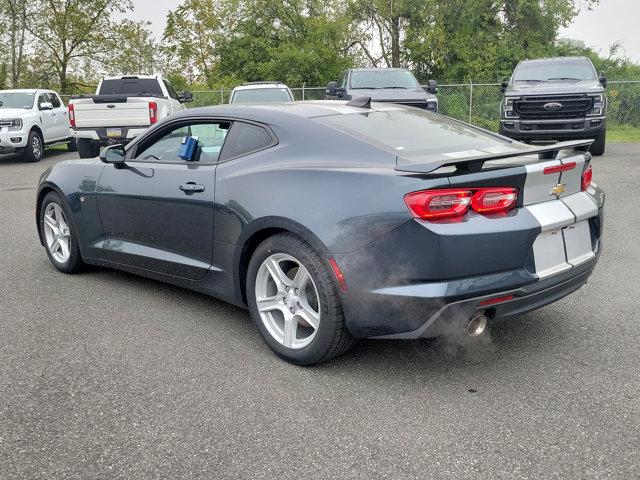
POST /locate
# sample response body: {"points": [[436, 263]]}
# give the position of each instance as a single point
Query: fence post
{"points": [[470, 100], [221, 95], [303, 85]]}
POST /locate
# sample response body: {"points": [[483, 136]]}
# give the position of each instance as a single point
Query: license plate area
{"points": [[559, 250], [114, 132], [577, 241]]}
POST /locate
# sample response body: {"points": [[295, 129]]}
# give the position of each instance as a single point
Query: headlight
{"points": [[14, 125], [432, 105], [508, 107], [598, 105]]}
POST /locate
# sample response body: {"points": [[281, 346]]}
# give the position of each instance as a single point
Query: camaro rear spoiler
{"points": [[473, 160]]}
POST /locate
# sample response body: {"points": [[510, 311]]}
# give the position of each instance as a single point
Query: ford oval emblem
{"points": [[113, 106], [552, 106]]}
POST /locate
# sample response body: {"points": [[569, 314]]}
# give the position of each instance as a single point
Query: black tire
{"points": [[598, 147], [74, 263], [332, 337], [87, 148], [72, 146], [35, 148]]}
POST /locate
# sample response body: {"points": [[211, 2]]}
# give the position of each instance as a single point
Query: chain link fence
{"points": [[476, 103]]}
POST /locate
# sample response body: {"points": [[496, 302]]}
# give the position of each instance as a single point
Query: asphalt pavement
{"points": [[108, 375]]}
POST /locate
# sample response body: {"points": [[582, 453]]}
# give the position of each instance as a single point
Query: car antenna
{"points": [[360, 102]]}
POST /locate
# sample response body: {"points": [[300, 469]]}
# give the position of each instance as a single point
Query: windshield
{"points": [[16, 100], [563, 70], [262, 95], [412, 132], [383, 79]]}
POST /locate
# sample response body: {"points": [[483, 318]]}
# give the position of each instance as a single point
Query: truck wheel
{"points": [[72, 146], [598, 147], [34, 149], [87, 148]]}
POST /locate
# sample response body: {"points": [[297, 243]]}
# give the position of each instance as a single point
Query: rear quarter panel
{"points": [[342, 190]]}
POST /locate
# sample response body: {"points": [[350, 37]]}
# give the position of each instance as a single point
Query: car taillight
{"points": [[72, 115], [446, 203], [490, 200], [430, 204], [153, 112], [587, 177]]}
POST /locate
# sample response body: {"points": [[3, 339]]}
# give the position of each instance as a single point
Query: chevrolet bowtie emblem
{"points": [[558, 189]]}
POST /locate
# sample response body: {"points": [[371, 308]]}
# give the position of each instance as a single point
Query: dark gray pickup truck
{"points": [[555, 99], [392, 85]]}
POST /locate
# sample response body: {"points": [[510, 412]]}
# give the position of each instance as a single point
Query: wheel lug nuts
{"points": [[286, 289], [299, 305], [293, 310]]}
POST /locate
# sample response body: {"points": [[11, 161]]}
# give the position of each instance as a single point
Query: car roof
{"points": [[554, 59], [131, 77], [260, 86], [371, 69], [274, 112], [26, 90]]}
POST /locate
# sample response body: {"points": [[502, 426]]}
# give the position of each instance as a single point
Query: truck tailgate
{"points": [[134, 112]]}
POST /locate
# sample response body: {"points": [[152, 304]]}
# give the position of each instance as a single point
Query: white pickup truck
{"points": [[122, 108], [32, 120]]}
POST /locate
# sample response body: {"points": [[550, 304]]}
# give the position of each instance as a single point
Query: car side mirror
{"points": [[186, 97], [602, 78], [432, 87], [46, 106], [504, 85], [331, 89], [114, 154]]}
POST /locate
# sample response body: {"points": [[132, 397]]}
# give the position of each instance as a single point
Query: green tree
{"points": [[72, 31], [14, 15], [190, 38], [134, 49]]}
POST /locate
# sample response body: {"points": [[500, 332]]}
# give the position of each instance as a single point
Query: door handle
{"points": [[191, 187]]}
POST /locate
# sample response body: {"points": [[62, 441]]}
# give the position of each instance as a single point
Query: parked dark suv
{"points": [[393, 85], [555, 99]]}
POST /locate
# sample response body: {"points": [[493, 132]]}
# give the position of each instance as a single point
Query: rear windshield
{"points": [[412, 131], [131, 86], [561, 70], [262, 95], [368, 79], [16, 100]]}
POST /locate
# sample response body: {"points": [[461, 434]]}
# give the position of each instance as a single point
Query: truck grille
{"points": [[571, 106]]}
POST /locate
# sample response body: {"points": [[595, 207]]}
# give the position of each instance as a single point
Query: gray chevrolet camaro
{"points": [[334, 221]]}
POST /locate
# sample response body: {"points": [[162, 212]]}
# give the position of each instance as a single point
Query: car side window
{"points": [[55, 100], [342, 80], [172, 91], [42, 98], [245, 138], [210, 138]]}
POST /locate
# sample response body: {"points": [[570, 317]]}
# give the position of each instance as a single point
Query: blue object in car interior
{"points": [[188, 148]]}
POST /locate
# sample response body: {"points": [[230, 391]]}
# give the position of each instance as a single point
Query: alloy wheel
{"points": [[36, 147], [287, 300], [56, 232]]}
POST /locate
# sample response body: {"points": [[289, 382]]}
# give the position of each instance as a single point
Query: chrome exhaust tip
{"points": [[477, 325]]}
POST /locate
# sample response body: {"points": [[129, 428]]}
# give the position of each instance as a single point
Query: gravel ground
{"points": [[107, 375]]}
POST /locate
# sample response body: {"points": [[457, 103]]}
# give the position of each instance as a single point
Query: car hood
{"points": [[393, 94], [553, 88], [9, 113]]}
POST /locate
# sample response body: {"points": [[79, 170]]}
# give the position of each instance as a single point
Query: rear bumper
{"points": [[425, 280], [100, 134], [561, 129], [451, 316]]}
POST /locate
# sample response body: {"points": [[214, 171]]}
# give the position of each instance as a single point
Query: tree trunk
{"points": [[395, 42], [62, 74]]}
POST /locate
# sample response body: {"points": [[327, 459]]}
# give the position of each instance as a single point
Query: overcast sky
{"points": [[609, 22]]}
